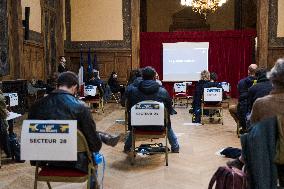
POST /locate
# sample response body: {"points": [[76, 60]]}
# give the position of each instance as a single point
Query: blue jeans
{"points": [[171, 136]]}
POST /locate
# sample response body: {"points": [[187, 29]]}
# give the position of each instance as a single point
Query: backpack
{"points": [[228, 178], [15, 147]]}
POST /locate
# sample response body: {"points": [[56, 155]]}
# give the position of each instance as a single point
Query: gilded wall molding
{"points": [[107, 44]]}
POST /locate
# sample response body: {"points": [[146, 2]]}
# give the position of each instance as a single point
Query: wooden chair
{"points": [[212, 95], [180, 94], [95, 98], [49, 174], [151, 108], [116, 97]]}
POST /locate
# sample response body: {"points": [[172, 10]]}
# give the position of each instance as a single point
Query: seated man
{"points": [[149, 89], [61, 104], [96, 81], [240, 111], [262, 88]]}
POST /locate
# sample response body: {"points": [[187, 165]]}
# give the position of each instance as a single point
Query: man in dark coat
{"points": [[62, 65], [243, 87], [149, 89], [96, 81], [262, 88], [61, 104]]}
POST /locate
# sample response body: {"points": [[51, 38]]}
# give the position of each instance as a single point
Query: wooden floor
{"points": [[192, 168]]}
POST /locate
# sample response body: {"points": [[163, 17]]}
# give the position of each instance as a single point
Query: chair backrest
{"points": [[180, 87], [90, 90], [226, 86], [82, 145], [213, 94], [148, 113], [49, 140]]}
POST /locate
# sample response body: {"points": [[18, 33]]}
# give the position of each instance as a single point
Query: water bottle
{"points": [[100, 162]]}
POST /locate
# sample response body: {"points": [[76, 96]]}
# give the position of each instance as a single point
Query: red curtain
{"points": [[230, 52]]}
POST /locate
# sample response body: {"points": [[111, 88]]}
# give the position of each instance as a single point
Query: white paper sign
{"points": [[147, 113], [90, 90], [226, 86], [50, 140], [180, 87], [213, 94], [13, 99], [13, 115]]}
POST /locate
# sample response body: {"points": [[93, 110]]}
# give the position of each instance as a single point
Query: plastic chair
{"points": [[154, 115], [212, 100], [50, 174]]}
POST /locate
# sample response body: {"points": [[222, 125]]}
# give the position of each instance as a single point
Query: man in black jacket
{"points": [[62, 65], [239, 113], [149, 89], [61, 104], [262, 88]]}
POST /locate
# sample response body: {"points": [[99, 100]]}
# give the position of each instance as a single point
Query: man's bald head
{"points": [[252, 69]]}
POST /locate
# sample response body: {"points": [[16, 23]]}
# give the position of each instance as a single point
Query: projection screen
{"points": [[184, 61]]}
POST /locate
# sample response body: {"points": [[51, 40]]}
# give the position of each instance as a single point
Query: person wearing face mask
{"points": [[61, 104], [114, 84], [62, 65]]}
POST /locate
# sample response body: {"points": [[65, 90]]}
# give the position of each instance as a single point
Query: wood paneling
{"points": [[15, 34], [135, 22], [52, 28], [108, 61], [33, 66], [262, 32], [274, 53], [4, 61], [11, 39]]}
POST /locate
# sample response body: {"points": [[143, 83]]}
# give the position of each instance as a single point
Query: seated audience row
{"points": [[61, 104], [261, 155]]}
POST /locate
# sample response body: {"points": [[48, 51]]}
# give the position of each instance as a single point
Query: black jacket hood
{"points": [[149, 87]]}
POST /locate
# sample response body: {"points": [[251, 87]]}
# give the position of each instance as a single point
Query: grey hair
{"points": [[276, 74]]}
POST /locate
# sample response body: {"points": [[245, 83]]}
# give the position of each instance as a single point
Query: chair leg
{"points": [[222, 116], [48, 184], [96, 186], [167, 151], [35, 184], [101, 105], [0, 157], [36, 175], [202, 122], [238, 129], [133, 148], [89, 178]]}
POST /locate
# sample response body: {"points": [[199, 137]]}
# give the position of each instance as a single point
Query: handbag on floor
{"points": [[228, 178]]}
